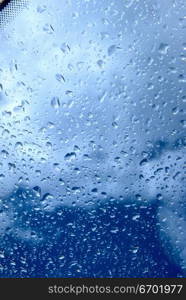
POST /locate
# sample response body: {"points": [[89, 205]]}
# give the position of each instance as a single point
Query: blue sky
{"points": [[92, 141]]}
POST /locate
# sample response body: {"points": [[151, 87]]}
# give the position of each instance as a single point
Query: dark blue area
{"points": [[106, 241]]}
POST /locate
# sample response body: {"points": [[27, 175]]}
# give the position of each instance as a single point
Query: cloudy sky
{"points": [[92, 98]]}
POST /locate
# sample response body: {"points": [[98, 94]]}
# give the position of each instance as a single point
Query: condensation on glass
{"points": [[92, 124]]}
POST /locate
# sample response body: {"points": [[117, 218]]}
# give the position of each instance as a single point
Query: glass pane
{"points": [[92, 138]]}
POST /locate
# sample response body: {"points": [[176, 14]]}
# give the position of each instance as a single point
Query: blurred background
{"points": [[92, 139]]}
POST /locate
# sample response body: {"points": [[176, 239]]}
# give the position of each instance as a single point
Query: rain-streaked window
{"points": [[92, 138]]}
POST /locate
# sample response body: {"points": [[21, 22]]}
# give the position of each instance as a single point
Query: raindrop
{"points": [[55, 102], [37, 191], [70, 156], [163, 48]]}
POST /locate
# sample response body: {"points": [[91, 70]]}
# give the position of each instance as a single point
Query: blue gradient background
{"points": [[106, 78]]}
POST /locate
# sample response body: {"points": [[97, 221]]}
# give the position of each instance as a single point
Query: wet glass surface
{"points": [[92, 139]]}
